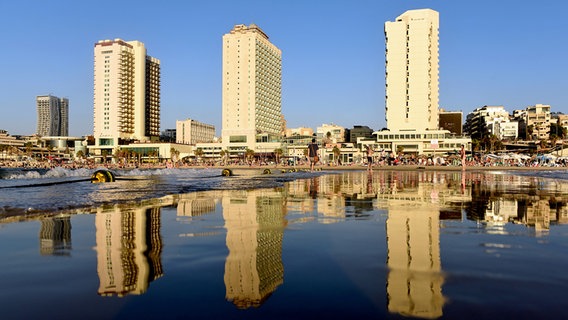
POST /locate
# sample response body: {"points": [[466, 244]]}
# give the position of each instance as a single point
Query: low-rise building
{"points": [[190, 131]]}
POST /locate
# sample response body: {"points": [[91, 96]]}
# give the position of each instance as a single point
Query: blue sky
{"points": [[510, 53]]}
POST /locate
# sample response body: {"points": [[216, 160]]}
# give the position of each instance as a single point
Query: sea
{"points": [[283, 244]]}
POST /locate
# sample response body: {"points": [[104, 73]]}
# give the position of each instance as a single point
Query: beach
{"points": [[343, 242]]}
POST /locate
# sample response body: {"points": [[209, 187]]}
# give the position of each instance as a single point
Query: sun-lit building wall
{"points": [[412, 71], [252, 81]]}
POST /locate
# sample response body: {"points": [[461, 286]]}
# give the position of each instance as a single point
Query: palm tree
{"points": [[278, 153], [542, 144], [28, 145], [399, 149], [336, 153], [249, 153], [198, 153], [328, 137], [530, 130], [222, 155], [49, 150], [104, 154], [174, 155]]}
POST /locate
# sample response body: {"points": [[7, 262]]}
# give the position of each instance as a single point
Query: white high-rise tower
{"points": [[412, 71], [126, 93], [252, 82], [52, 116]]}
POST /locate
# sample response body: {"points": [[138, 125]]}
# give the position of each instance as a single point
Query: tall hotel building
{"points": [[52, 116], [252, 89], [412, 71], [126, 94]]}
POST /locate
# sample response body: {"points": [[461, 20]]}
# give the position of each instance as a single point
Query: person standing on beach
{"points": [[462, 155], [369, 156], [313, 153]]}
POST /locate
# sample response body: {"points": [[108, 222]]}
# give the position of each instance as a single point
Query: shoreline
{"points": [[307, 168], [410, 168]]}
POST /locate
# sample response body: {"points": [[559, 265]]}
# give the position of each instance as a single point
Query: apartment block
{"points": [[478, 123], [126, 93], [190, 131], [252, 89], [412, 71], [52, 116], [538, 120]]}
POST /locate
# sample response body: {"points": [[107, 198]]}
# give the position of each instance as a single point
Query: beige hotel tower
{"points": [[126, 94], [412, 71], [252, 81]]}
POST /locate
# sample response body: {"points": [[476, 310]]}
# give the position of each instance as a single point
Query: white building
{"points": [[538, 116], [411, 66], [252, 81], [412, 71], [336, 133], [52, 116], [301, 131], [490, 120], [126, 94], [190, 131], [505, 130]]}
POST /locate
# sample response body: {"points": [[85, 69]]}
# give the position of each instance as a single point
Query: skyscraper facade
{"points": [[412, 71], [252, 82], [126, 93], [52, 116]]}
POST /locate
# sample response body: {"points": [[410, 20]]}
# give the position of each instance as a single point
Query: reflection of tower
{"points": [[414, 284], [538, 213], [255, 227], [128, 249], [55, 236], [195, 207]]}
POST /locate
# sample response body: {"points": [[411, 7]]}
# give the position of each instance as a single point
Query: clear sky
{"points": [[492, 52]]}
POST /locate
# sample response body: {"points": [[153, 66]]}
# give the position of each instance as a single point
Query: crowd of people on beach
{"points": [[372, 160]]}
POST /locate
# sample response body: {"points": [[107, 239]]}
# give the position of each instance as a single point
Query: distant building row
{"points": [[533, 123]]}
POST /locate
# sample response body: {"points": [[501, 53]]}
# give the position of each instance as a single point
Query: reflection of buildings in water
{"points": [[128, 249], [414, 284], [334, 194], [196, 204], [414, 201], [55, 236], [255, 224], [423, 188], [298, 197], [331, 207], [536, 213], [360, 191], [506, 198], [500, 211]]}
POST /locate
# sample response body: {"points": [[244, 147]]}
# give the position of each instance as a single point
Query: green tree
{"points": [[198, 153], [530, 131], [336, 152], [328, 137], [542, 144], [399, 149], [49, 151], [278, 153], [28, 145], [104, 155], [249, 154], [174, 154], [223, 154]]}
